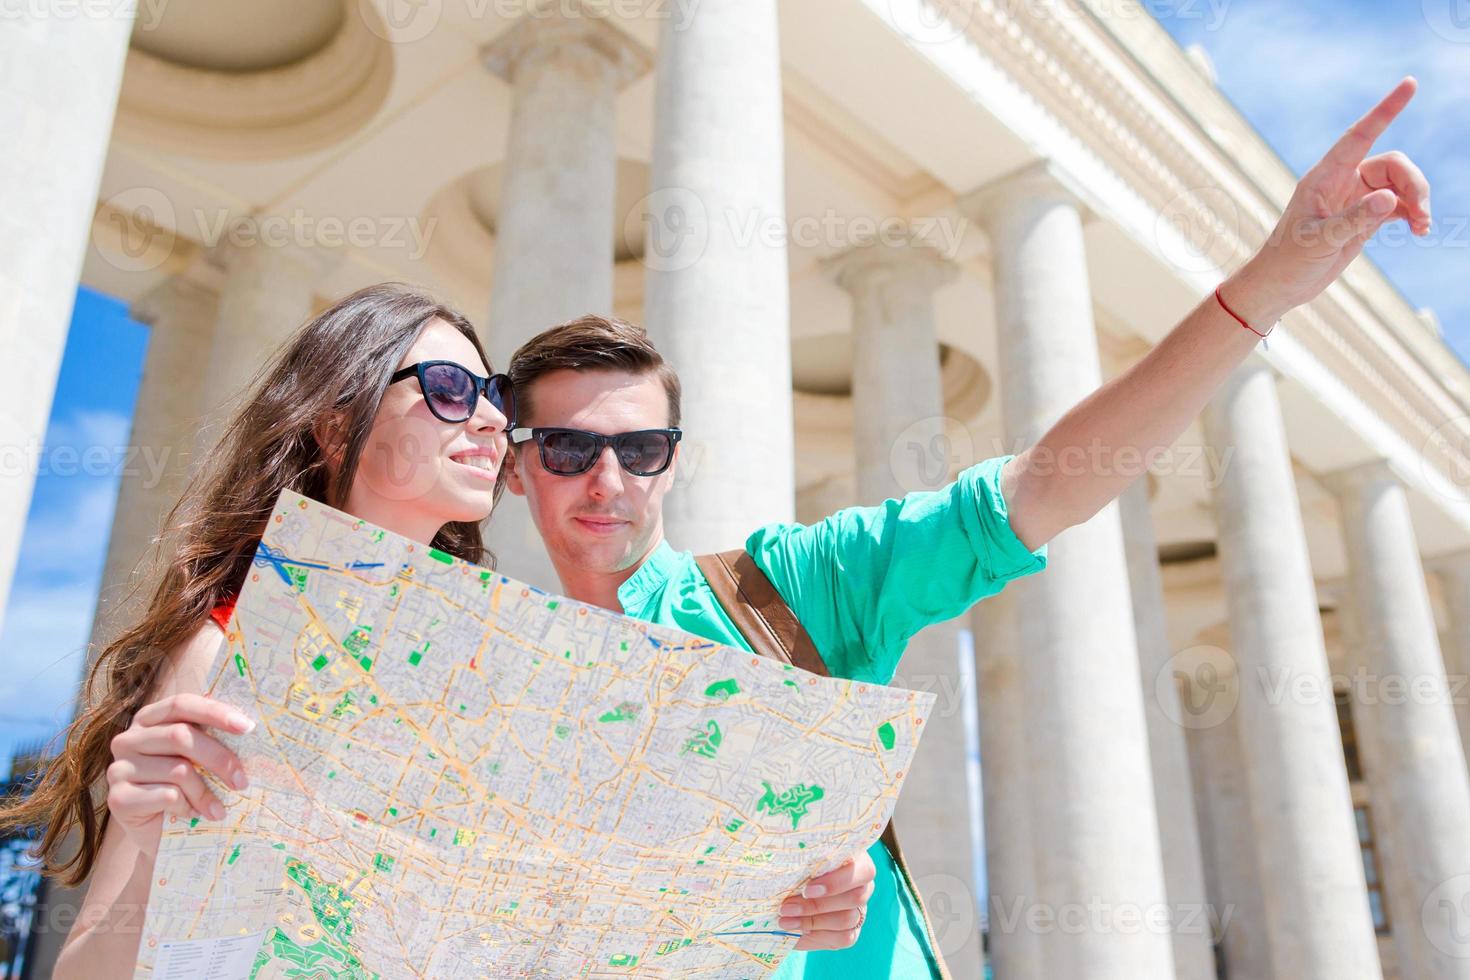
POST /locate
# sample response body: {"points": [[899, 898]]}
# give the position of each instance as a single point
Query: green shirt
{"points": [[862, 582]]}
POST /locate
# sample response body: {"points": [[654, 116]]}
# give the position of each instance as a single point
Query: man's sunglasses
{"points": [[567, 452], [452, 390]]}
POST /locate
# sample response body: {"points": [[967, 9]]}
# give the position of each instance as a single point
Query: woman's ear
{"points": [[331, 438]]}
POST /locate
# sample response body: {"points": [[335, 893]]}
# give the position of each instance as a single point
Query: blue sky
{"points": [[1301, 72], [49, 616]]}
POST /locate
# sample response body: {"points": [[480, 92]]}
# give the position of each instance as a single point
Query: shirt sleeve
{"points": [[865, 579]]}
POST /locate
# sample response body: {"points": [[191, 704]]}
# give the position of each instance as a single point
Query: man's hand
{"points": [[830, 909], [1336, 208]]}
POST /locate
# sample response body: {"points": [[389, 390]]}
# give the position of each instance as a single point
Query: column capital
{"points": [[909, 264], [314, 260], [1039, 179], [189, 297], [1350, 480], [549, 29]]}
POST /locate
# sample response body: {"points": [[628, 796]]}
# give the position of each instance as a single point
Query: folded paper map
{"points": [[454, 774]]}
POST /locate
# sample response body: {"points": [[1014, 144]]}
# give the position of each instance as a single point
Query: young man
{"points": [[866, 579]]}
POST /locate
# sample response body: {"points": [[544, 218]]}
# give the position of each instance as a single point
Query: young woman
{"points": [[384, 406]]}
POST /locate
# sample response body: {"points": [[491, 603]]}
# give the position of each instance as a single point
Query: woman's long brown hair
{"points": [[335, 367]]}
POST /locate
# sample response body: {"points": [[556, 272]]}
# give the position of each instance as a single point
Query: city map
{"points": [[453, 774]]}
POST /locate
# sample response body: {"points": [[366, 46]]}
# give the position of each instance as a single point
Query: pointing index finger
{"points": [[1354, 145]]}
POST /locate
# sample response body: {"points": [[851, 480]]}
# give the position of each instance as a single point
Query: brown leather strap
{"points": [[758, 611], [772, 630]]}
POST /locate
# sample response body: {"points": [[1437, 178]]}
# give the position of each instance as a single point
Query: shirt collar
{"points": [[652, 575]]}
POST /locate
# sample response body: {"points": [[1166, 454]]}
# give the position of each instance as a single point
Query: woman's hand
{"points": [[156, 762], [1337, 206], [830, 909]]}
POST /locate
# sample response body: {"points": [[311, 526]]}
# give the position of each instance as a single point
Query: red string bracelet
{"points": [[1252, 329]]}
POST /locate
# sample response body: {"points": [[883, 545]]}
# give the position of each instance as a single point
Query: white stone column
{"points": [[896, 384], [267, 291], [1420, 772], [59, 79], [1094, 822], [1010, 856], [717, 293], [1396, 889], [1454, 577], [554, 233], [1227, 830], [181, 313], [1312, 875], [1178, 829]]}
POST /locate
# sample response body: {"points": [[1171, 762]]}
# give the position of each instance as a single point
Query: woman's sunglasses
{"points": [[452, 390], [567, 452]]}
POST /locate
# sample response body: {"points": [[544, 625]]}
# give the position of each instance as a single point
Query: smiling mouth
{"points": [[478, 461]]}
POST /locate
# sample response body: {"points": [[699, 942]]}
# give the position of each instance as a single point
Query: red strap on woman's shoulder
{"points": [[222, 612]]}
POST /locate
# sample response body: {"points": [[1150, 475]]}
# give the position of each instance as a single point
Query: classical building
{"points": [[880, 239]]}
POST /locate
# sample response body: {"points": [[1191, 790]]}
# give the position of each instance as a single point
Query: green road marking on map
{"points": [[706, 742], [793, 802], [438, 555], [722, 689], [234, 855], [240, 664], [885, 735]]}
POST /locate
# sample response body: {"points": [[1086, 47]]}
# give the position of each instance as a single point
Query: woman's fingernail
{"points": [[791, 908], [814, 891], [241, 724], [239, 779], [786, 923], [216, 810]]}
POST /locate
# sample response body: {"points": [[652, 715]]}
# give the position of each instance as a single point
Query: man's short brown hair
{"points": [[590, 343]]}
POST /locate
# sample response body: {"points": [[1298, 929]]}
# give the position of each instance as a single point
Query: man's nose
{"points": [[606, 475]]}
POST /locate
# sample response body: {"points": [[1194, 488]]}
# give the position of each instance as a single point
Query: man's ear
{"points": [[510, 472]]}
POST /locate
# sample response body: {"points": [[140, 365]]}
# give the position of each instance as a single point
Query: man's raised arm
{"points": [[1337, 206]]}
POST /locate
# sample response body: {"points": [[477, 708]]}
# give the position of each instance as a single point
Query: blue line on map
{"points": [[355, 565], [275, 558], [756, 932]]}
